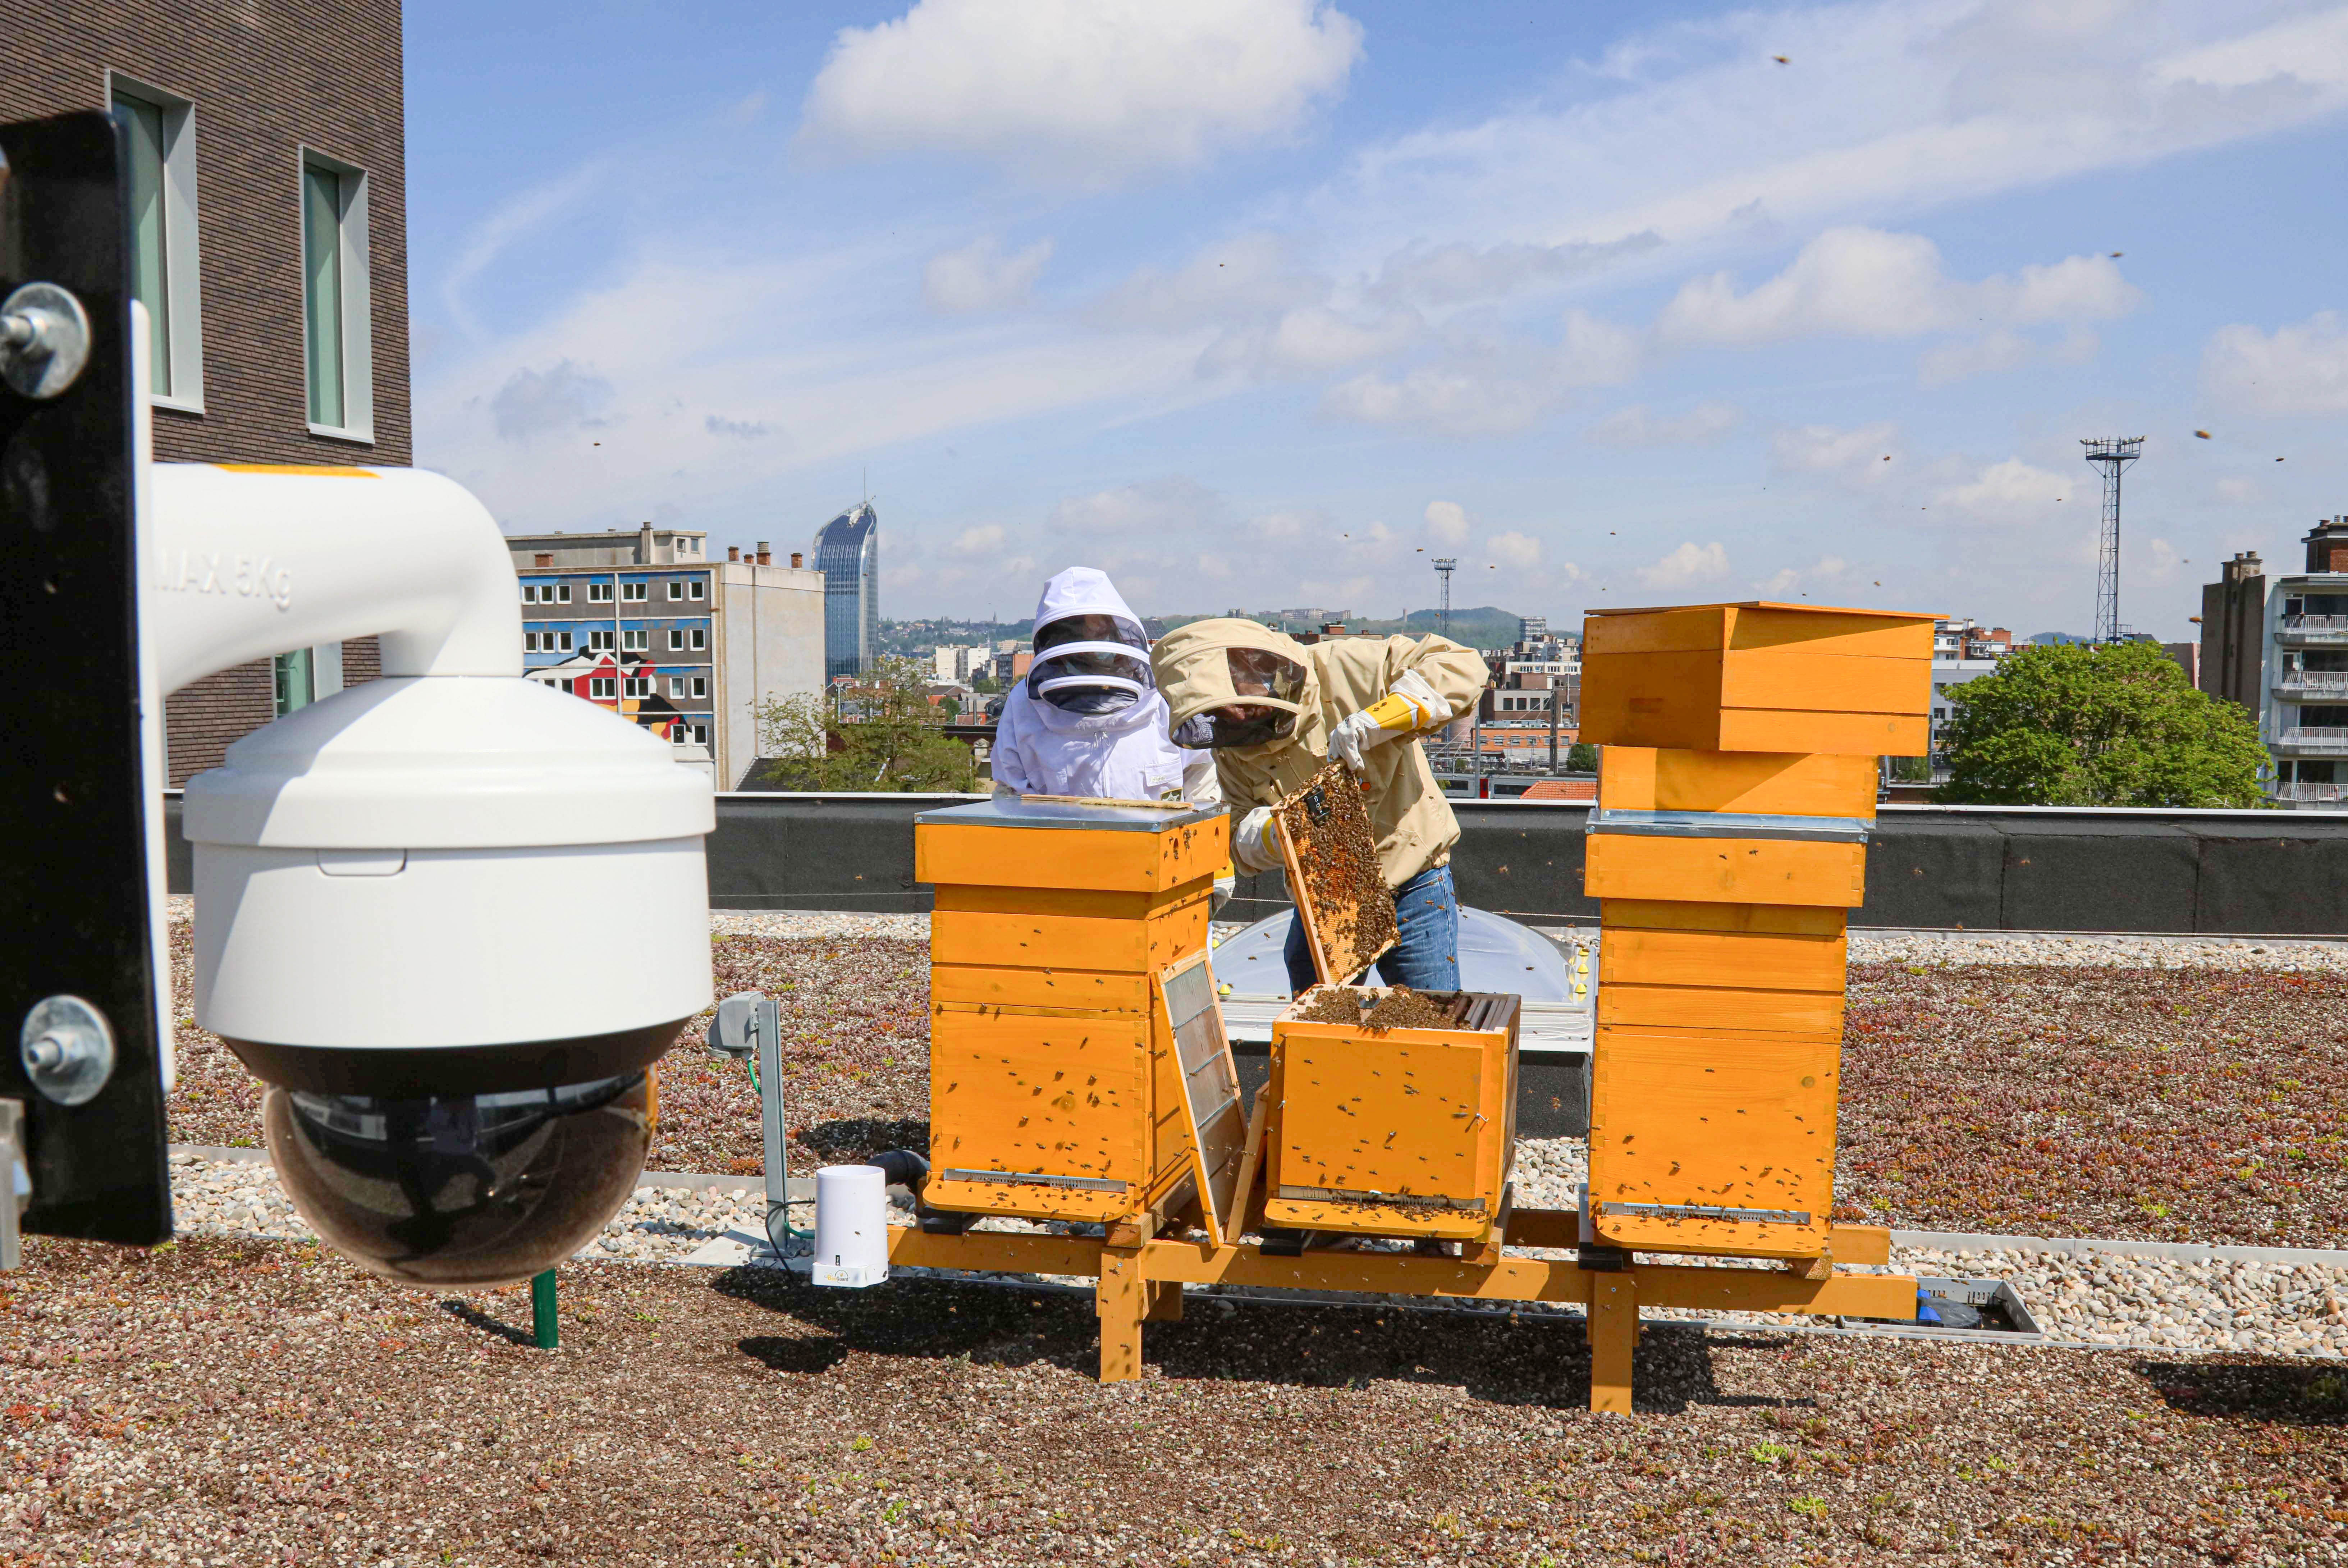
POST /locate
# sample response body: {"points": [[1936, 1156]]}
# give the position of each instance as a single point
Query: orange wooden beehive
{"points": [[1392, 1132], [1055, 1086], [1736, 788]]}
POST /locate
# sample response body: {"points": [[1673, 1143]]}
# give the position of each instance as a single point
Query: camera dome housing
{"points": [[453, 920]]}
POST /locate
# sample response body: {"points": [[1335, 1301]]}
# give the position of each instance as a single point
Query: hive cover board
{"points": [[1331, 858], [1210, 1085]]}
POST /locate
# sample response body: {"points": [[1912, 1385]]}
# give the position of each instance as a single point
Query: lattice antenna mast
{"points": [[1445, 565], [2114, 455]]}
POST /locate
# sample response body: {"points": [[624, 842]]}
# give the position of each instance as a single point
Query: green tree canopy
{"points": [[882, 734], [1583, 758], [2069, 725]]}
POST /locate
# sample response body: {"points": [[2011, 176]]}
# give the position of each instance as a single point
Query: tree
{"points": [[1583, 758], [2116, 724], [882, 733]]}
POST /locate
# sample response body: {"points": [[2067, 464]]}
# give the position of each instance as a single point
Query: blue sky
{"points": [[1267, 303]]}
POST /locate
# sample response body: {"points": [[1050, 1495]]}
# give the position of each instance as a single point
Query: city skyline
{"points": [[1616, 311]]}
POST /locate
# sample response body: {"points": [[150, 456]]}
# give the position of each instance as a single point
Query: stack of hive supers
{"points": [[1056, 1088], [1736, 786]]}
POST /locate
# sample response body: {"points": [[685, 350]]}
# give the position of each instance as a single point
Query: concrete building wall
{"points": [[770, 644], [262, 81], [2234, 632]]}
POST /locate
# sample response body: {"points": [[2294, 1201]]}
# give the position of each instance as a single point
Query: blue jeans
{"points": [[1426, 954]]}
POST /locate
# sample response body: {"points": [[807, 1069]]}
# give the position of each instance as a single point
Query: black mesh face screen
{"points": [[74, 882]]}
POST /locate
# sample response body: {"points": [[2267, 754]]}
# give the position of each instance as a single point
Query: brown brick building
{"points": [[269, 241]]}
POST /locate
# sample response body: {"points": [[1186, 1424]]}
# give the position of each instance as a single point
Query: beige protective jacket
{"points": [[1413, 823]]}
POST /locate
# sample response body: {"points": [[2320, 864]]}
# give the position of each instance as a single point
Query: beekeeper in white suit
{"points": [[1087, 719]]}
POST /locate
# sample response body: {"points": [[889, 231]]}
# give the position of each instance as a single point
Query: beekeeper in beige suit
{"points": [[1273, 711]]}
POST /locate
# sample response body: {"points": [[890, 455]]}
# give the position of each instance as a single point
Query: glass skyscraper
{"points": [[848, 553]]}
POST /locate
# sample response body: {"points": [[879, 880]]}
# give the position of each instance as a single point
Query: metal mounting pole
{"points": [[542, 1322]]}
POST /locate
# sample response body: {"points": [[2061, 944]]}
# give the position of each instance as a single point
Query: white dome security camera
{"points": [[452, 917]]}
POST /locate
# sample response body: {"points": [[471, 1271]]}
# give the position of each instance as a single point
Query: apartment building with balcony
{"points": [[2277, 646], [645, 624]]}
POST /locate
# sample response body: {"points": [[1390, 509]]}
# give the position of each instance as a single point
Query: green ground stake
{"points": [[542, 1310]]}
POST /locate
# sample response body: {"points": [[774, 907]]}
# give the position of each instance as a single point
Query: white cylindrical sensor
{"points": [[851, 1226]]}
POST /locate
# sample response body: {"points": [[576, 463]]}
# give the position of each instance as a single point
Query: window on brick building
{"points": [[599, 641], [562, 593], [599, 593], [601, 686], [159, 141], [634, 641], [676, 589], [633, 592], [701, 686], [699, 637], [636, 686], [700, 589], [336, 307], [676, 640]]}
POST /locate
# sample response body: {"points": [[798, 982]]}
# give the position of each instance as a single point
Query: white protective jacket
{"points": [[1044, 750]]}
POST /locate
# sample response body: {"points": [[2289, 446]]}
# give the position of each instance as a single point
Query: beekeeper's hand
{"points": [[1411, 704], [1002, 789], [1227, 882], [1255, 842]]}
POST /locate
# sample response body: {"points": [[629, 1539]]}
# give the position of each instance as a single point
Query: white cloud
{"points": [[1689, 564], [1517, 550], [1635, 427], [1788, 580], [2300, 369], [1446, 401], [1486, 388], [1457, 273], [981, 277], [1245, 278], [982, 541], [562, 396], [1822, 448], [1446, 521], [1082, 92], [1866, 282], [2015, 493]]}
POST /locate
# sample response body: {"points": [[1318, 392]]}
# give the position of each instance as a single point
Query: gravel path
{"points": [[2151, 1303], [238, 1403]]}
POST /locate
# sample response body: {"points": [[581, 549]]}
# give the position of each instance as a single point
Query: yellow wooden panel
{"points": [[1091, 903], [1724, 871], [1683, 630], [1765, 961], [1789, 920], [1061, 1097], [1003, 986], [1141, 946], [1070, 857], [1772, 783], [1422, 1113], [1850, 734], [1029, 1201], [1759, 1009], [1695, 1122], [1801, 679], [1651, 699], [1887, 633]]}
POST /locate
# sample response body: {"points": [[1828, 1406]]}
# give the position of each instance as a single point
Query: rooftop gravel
{"points": [[2198, 1104], [227, 1403]]}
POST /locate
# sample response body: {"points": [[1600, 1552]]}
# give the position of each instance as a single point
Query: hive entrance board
{"points": [[1331, 859], [1210, 1085]]}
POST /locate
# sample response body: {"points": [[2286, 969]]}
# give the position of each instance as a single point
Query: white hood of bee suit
{"points": [[1042, 750], [1083, 591]]}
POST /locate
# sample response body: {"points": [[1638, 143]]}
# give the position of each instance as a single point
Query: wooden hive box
{"points": [[1055, 1090], [1392, 1132], [1758, 678]]}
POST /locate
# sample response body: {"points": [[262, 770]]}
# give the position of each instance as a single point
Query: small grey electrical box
{"points": [[734, 1030]]}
